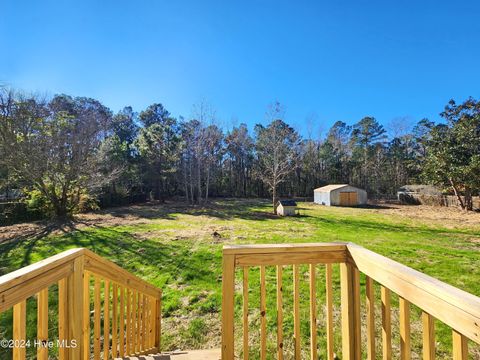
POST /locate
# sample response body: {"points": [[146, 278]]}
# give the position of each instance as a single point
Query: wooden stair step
{"points": [[211, 354]]}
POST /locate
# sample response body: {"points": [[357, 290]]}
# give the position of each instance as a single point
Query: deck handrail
{"points": [[437, 300], [457, 308], [133, 325]]}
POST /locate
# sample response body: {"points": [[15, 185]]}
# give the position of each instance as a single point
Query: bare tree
{"points": [[277, 149]]}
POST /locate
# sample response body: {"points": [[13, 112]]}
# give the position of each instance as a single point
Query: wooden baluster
{"points": [[370, 305], [313, 314], [134, 322], [122, 322], [151, 322], [245, 313], [386, 324], [86, 315], [405, 348], [114, 320], [144, 322], [329, 304], [279, 312], [148, 333], [349, 307], [428, 336], [138, 342], [296, 310], [106, 320], [129, 323], [158, 323], [42, 324], [62, 318], [96, 318], [356, 320], [228, 294], [460, 346], [263, 314], [19, 330]]}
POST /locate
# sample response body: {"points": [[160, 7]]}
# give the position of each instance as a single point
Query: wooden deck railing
{"points": [[129, 307], [437, 300]]}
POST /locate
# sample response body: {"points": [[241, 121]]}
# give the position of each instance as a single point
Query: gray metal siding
{"points": [[322, 198]]}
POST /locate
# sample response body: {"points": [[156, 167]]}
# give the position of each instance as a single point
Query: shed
{"points": [[286, 208], [340, 195]]}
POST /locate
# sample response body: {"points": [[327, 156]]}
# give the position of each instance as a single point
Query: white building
{"points": [[340, 195]]}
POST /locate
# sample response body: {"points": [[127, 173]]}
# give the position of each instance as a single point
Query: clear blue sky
{"points": [[341, 60]]}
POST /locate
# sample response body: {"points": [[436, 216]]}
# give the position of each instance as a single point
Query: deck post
{"points": [[350, 306], [75, 344], [228, 292], [158, 324]]}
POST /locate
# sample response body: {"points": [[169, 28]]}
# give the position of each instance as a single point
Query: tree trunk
{"points": [[185, 181], [199, 183], [457, 194], [208, 184], [274, 200], [468, 200]]}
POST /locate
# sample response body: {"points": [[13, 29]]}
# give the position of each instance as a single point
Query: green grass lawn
{"points": [[178, 249]]}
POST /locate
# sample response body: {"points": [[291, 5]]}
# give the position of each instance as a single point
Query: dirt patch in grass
{"points": [[449, 217]]}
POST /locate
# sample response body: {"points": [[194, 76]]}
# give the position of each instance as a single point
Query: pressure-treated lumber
{"points": [[263, 315], [283, 248], [405, 343], [356, 312], [279, 312], [158, 324], [289, 258], [128, 324], [96, 318], [134, 321], [108, 270], [28, 274], [19, 330], [456, 308], [296, 311], [42, 324], [329, 309], [72, 270], [350, 341], [121, 349], [228, 292], [106, 319], [245, 313], [460, 346], [62, 317], [14, 294], [114, 320], [428, 336], [86, 315], [75, 299], [386, 324], [370, 307], [313, 313]]}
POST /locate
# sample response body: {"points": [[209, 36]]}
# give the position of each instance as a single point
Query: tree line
{"points": [[69, 154]]}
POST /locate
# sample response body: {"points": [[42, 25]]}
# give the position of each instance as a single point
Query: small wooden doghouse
{"points": [[287, 208]]}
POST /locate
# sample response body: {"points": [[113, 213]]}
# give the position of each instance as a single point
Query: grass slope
{"points": [[178, 249]]}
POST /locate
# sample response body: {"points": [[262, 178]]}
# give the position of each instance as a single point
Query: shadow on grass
{"points": [[225, 209]]}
